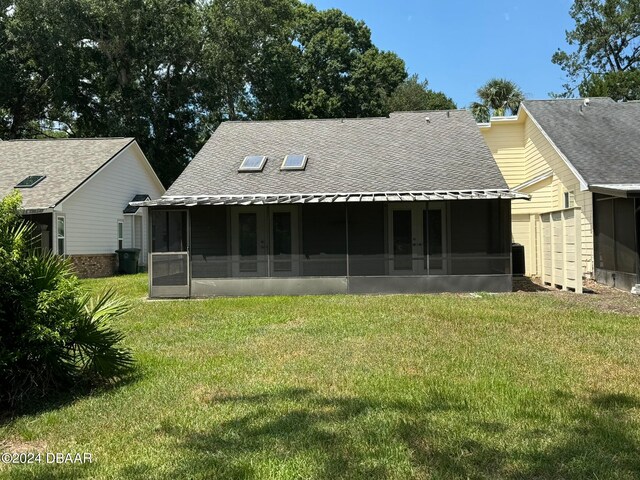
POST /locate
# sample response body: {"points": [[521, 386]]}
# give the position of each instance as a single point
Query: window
{"points": [[120, 229], [31, 181], [294, 162], [568, 200], [60, 235], [253, 163]]}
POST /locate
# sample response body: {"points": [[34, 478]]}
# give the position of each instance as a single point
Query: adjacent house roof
{"points": [[65, 163], [601, 140], [419, 153]]}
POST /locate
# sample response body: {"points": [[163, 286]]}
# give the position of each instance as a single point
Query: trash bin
{"points": [[517, 259], [128, 260]]}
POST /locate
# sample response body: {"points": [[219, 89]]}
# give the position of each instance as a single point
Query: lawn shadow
{"points": [[351, 437], [35, 405]]}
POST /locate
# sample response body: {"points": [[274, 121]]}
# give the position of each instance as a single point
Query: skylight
{"points": [[30, 181], [294, 162], [253, 163]]}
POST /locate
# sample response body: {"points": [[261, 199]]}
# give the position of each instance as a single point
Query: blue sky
{"points": [[460, 44]]}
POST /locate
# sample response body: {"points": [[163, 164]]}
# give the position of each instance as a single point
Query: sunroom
{"points": [[354, 240]]}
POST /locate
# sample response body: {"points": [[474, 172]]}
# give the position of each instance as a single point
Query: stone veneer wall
{"points": [[93, 266]]}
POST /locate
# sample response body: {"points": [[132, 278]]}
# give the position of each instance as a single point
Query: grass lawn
{"points": [[536, 385]]}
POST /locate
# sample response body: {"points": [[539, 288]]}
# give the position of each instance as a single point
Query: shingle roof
{"points": [[141, 197], [402, 153], [601, 140], [67, 163]]}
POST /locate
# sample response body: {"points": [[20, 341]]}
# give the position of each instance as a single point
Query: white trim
{"points": [[64, 234], [119, 233], [583, 183], [533, 181]]}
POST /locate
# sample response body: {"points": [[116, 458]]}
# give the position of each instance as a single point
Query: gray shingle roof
{"points": [[602, 141], [400, 153], [67, 163]]}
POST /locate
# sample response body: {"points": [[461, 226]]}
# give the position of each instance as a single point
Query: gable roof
{"points": [[402, 153], [601, 141], [67, 164]]}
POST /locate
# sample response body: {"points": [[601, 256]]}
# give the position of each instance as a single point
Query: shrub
{"points": [[53, 336]]}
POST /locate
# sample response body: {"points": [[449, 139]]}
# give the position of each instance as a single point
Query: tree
{"points": [[620, 86], [167, 72], [498, 97], [413, 94], [341, 73], [53, 336], [607, 39]]}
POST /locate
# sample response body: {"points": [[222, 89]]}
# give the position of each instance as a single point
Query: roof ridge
{"points": [[66, 138]]}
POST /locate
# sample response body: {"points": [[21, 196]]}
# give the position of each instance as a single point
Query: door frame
{"points": [[174, 291], [420, 257], [295, 240], [262, 239]]}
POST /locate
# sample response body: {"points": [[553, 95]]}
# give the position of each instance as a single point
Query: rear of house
{"points": [[78, 192], [578, 160], [410, 203]]}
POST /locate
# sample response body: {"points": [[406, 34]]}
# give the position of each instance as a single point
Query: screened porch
{"points": [[363, 247]]}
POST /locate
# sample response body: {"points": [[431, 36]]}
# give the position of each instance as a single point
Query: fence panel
{"points": [[560, 237]]}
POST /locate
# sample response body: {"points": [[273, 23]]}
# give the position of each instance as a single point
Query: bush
{"points": [[53, 336]]}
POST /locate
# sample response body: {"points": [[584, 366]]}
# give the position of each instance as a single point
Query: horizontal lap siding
{"points": [[93, 210], [506, 143]]}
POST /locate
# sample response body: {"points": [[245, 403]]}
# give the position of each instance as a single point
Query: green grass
{"points": [[442, 386]]}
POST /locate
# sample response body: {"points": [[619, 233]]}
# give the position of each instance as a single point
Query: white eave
{"points": [[617, 189], [270, 199]]}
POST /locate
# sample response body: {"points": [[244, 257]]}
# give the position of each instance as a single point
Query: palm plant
{"points": [[497, 97], [52, 334]]}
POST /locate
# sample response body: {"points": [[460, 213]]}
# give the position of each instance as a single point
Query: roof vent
{"points": [[427, 119]]}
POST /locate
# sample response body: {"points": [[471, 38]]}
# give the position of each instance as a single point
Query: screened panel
{"points": [[605, 250], [367, 239], [324, 240], [615, 234], [625, 235], [169, 270], [433, 248], [282, 241], [402, 240], [480, 237], [209, 242], [168, 231]]}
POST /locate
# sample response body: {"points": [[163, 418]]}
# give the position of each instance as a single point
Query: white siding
{"points": [[93, 210]]}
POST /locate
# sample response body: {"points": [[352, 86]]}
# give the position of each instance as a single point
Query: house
{"points": [[579, 161], [410, 203], [78, 192]]}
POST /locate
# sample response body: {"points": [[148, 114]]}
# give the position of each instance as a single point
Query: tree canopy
{"points": [[606, 55], [167, 72], [413, 94], [498, 97]]}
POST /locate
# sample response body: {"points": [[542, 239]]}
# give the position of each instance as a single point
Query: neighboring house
{"points": [[410, 203], [78, 192], [580, 162]]}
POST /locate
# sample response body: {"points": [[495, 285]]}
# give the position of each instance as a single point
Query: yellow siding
{"points": [[523, 153], [507, 146]]}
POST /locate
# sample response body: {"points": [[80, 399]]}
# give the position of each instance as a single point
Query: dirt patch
{"points": [[14, 445], [595, 296]]}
